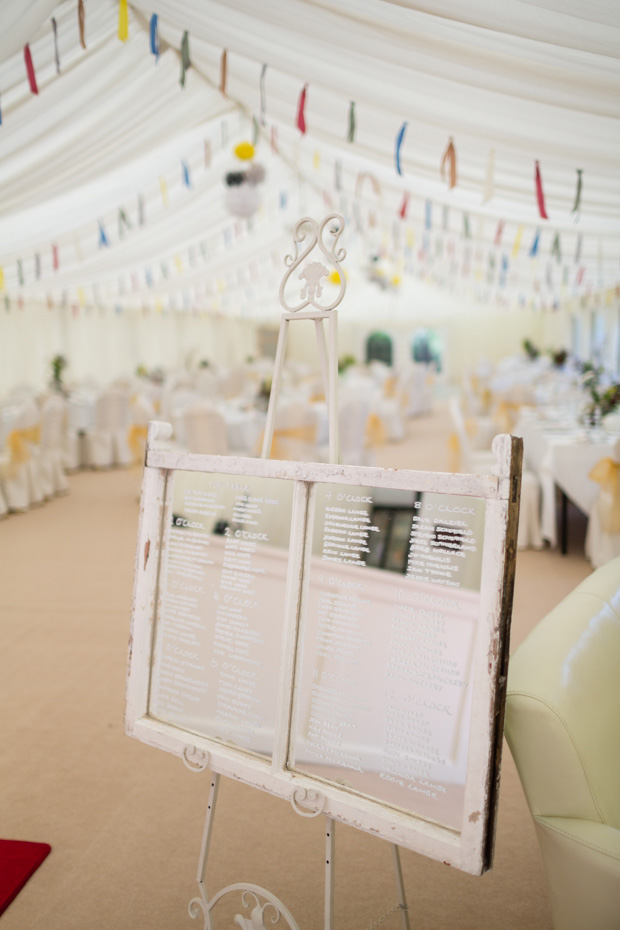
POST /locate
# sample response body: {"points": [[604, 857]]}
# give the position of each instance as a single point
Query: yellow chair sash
{"points": [[454, 448], [281, 438], [317, 398], [389, 387], [136, 436], [375, 434], [607, 474], [506, 415]]}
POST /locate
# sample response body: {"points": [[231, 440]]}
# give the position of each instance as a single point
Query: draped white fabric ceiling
{"points": [[113, 146]]}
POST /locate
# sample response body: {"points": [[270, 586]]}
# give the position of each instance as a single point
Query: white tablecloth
{"points": [[563, 457]]}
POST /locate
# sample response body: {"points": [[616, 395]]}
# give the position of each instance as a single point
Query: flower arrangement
{"points": [[59, 363], [558, 357], [264, 392], [344, 362], [602, 399], [530, 349], [242, 195]]}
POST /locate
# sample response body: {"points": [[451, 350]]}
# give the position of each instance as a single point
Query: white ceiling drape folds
{"points": [[115, 135]]}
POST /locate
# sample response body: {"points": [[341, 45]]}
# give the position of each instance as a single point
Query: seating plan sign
{"points": [[335, 635]]}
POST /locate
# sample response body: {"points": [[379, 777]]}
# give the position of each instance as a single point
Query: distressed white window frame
{"points": [[469, 849]]}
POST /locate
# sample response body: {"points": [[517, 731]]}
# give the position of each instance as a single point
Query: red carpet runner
{"points": [[18, 861]]}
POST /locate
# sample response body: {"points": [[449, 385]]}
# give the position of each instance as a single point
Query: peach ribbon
{"points": [[136, 436], [375, 434], [607, 474], [281, 438]]}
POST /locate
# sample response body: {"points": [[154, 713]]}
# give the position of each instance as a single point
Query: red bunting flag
{"points": [[32, 80], [82, 22], [404, 205], [539, 194], [301, 107], [55, 262], [498, 233], [223, 72]]}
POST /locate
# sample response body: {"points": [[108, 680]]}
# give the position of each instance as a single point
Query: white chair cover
{"points": [[106, 441], [54, 421], [203, 429], [21, 481], [602, 541], [294, 435]]}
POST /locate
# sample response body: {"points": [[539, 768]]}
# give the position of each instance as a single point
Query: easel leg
{"points": [[320, 339], [330, 849], [275, 388], [203, 902], [400, 885]]}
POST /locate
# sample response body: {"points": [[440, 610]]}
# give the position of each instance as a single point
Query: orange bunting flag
{"points": [[123, 20], [449, 157], [82, 22], [223, 72]]}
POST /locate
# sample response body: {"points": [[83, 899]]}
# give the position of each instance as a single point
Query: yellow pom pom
{"points": [[244, 151], [396, 280], [334, 277]]}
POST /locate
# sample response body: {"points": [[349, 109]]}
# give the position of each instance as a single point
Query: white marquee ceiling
{"points": [[528, 80]]}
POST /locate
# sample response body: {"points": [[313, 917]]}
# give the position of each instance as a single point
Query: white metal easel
{"points": [[308, 236]]}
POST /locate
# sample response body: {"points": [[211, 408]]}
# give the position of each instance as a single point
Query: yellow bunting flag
{"points": [[316, 160], [164, 191], [123, 20], [178, 263], [517, 242]]}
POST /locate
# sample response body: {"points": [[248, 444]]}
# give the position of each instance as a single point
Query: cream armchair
{"points": [[563, 728]]}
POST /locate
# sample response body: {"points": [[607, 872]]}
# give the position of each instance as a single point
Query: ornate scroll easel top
{"points": [[308, 235]]}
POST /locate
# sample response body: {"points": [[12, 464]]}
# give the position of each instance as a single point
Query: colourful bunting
{"points": [[540, 197], [577, 204], [449, 158], [489, 181], [123, 222], [32, 80], [55, 262], [517, 243], [164, 191], [301, 111], [578, 250], [555, 248], [56, 56], [37, 265], [140, 210], [186, 178], [274, 139], [103, 239], [263, 99], [207, 154], [399, 141], [185, 59], [445, 217], [20, 271], [154, 36], [466, 230], [428, 215], [223, 72], [498, 234], [404, 205], [82, 23], [535, 243], [254, 131], [351, 126], [123, 20]]}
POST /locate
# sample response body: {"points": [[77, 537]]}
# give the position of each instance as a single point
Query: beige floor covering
{"points": [[125, 820]]}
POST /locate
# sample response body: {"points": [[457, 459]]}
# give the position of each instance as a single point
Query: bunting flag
{"points": [[164, 191], [301, 111], [503, 271], [140, 210], [404, 205], [428, 222], [224, 133], [223, 72], [185, 59], [338, 174], [186, 178], [578, 250], [37, 265], [540, 197], [148, 277], [154, 36], [123, 222], [555, 248], [82, 23], [449, 158], [580, 274], [445, 217], [32, 80], [351, 126], [254, 131], [577, 204], [274, 139], [534, 246], [399, 141], [103, 239], [207, 154], [56, 55], [283, 200], [20, 271], [517, 243], [164, 269], [55, 262], [490, 177], [263, 98], [466, 229], [498, 234], [123, 20]]}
